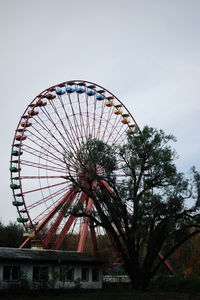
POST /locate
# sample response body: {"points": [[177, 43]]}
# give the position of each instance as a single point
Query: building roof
{"points": [[50, 256]]}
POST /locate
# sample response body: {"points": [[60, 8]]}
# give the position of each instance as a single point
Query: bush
{"points": [[177, 283]]}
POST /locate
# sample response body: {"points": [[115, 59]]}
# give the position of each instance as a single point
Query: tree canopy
{"points": [[153, 209]]}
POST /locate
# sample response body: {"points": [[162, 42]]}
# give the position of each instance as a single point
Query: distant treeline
{"points": [[11, 235], [186, 260]]}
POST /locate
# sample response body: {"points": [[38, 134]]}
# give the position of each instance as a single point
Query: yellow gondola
{"points": [[109, 103], [118, 105], [131, 126], [125, 121], [131, 131], [117, 111], [29, 234]]}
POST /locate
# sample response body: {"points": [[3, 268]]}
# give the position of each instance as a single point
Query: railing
{"points": [[116, 278]]}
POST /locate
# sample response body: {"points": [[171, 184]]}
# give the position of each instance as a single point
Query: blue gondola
{"points": [[100, 97], [60, 92], [90, 93], [70, 90], [80, 90]]}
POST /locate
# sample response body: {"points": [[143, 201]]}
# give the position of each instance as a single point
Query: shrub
{"points": [[177, 283]]}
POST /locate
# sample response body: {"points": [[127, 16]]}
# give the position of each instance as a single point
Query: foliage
{"points": [[105, 294], [147, 212], [11, 235], [177, 283], [187, 257], [92, 159]]}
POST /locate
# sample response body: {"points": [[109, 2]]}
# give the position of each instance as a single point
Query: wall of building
{"points": [[54, 279]]}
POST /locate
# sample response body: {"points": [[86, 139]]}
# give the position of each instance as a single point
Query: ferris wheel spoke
{"points": [[44, 139], [54, 159], [36, 153], [84, 132], [55, 125], [107, 123], [112, 129], [100, 122], [120, 134], [87, 119], [120, 130], [45, 128], [47, 198], [43, 214], [44, 142], [44, 188], [74, 133], [48, 152], [42, 166], [76, 124], [63, 126], [41, 177], [68, 224], [60, 134], [93, 118]]}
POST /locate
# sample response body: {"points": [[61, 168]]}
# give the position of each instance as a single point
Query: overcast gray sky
{"points": [[147, 52]]}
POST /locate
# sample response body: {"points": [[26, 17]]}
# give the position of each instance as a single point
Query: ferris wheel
{"points": [[56, 123]]}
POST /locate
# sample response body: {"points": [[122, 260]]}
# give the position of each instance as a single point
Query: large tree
{"points": [[153, 210]]}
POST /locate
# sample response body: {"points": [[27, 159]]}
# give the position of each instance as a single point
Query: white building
{"points": [[34, 269]]}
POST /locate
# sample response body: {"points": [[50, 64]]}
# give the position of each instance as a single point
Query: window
{"points": [[40, 273], [11, 273], [84, 274], [95, 274], [66, 274]]}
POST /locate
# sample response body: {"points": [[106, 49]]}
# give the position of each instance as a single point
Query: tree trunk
{"points": [[140, 279]]}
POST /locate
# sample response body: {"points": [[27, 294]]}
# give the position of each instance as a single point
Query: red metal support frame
{"points": [[48, 217], [57, 222], [94, 239], [167, 264], [84, 230], [68, 224]]}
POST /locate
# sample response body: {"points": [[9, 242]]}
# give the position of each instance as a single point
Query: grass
{"points": [[163, 288], [104, 294]]}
